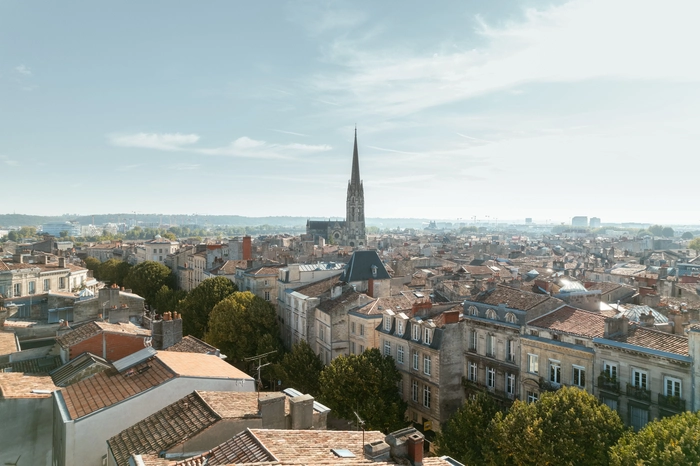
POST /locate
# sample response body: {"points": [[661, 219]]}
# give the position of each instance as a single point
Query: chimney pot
{"points": [[415, 449]]}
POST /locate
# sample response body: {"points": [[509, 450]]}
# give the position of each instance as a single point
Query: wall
{"points": [[88, 444], [451, 371], [29, 433], [216, 435], [111, 346]]}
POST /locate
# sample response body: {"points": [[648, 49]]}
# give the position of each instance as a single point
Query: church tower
{"points": [[355, 205]]}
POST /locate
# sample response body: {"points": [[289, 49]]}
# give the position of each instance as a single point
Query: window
{"points": [[415, 331], [672, 386], [473, 311], [415, 360], [266, 282], [362, 349], [47, 284], [426, 396], [556, 337], [533, 364], [387, 348], [510, 384], [399, 354], [399, 328], [610, 403], [427, 336], [511, 319], [352, 327], [510, 350], [414, 391], [473, 338], [638, 416], [296, 322], [61, 282], [554, 371], [579, 376], [532, 397], [362, 330], [490, 377], [18, 289], [267, 296], [387, 323], [639, 378], [426, 364], [352, 347], [321, 332], [610, 369], [32, 287], [471, 373], [491, 346], [491, 314], [579, 342], [534, 333]]}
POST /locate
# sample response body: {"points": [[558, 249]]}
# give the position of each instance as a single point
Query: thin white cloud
{"points": [[185, 166], [393, 150], [23, 70], [290, 132], [8, 161], [163, 141], [473, 138]]}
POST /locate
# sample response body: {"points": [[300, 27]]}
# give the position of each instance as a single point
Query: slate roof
{"points": [[573, 321], [91, 329], [84, 365], [32, 366], [190, 344], [655, 339], [360, 267], [319, 287]]}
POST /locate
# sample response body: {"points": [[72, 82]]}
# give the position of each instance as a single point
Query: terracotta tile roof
{"points": [[242, 448], [200, 365], [319, 287], [398, 303], [164, 429], [574, 321], [514, 298], [231, 404], [655, 339], [349, 298], [110, 387], [91, 329], [32, 366], [18, 385], [190, 344], [229, 267], [8, 343], [604, 287]]}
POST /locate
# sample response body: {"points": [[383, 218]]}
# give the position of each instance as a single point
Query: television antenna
{"points": [[259, 359], [360, 424], [15, 463]]}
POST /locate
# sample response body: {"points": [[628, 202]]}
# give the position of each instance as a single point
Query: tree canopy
{"points": [[301, 369], [367, 384], [199, 302], [569, 426], [669, 441], [146, 278], [687, 235], [114, 271], [244, 325], [695, 244], [167, 299], [467, 432]]}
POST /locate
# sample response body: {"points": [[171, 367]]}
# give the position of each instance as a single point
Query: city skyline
{"points": [[504, 110]]}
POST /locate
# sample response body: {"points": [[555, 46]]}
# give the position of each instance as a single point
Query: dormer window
{"points": [[374, 271], [427, 336], [387, 323], [510, 318], [491, 314], [415, 333], [473, 311], [399, 325]]}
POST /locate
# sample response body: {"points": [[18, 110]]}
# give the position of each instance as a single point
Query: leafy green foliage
{"points": [[146, 278], [367, 384], [687, 235], [669, 441], [465, 435], [93, 264], [167, 299], [198, 304], [695, 244], [656, 230], [301, 369], [113, 271], [568, 426], [244, 325]]}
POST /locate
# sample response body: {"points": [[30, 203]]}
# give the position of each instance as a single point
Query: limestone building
{"points": [[350, 232]]}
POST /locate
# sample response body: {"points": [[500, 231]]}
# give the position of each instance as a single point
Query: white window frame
{"points": [[472, 372], [674, 383], [532, 397], [387, 348], [427, 364], [555, 371], [387, 323], [473, 340], [511, 318], [491, 314], [415, 331], [490, 377], [473, 311], [415, 360], [414, 391], [578, 375], [610, 369], [510, 350], [352, 327], [352, 347], [510, 383], [427, 336], [491, 345], [399, 327], [399, 354], [640, 378], [533, 363], [362, 330], [426, 396]]}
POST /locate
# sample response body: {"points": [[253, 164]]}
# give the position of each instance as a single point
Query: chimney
{"points": [[646, 320], [247, 248], [271, 409], [302, 411], [415, 449], [62, 262], [377, 451], [451, 317], [618, 325]]}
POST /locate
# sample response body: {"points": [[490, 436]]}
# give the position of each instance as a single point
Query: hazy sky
{"points": [[504, 109]]}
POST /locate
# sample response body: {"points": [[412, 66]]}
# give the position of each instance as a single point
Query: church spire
{"points": [[355, 177]]}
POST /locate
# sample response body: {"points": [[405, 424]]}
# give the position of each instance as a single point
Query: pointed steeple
{"points": [[355, 177]]}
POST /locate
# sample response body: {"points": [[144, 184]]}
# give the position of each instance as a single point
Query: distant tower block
{"points": [[581, 221], [594, 222]]}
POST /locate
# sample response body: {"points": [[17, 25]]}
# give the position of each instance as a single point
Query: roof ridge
{"points": [[211, 409]]}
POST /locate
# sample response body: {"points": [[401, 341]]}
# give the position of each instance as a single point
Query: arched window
{"points": [[491, 314], [510, 318], [473, 311]]}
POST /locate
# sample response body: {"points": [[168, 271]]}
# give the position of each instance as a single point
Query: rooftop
{"points": [[190, 344], [8, 343], [573, 321], [364, 265], [513, 298], [91, 329], [200, 365], [18, 385], [655, 339]]}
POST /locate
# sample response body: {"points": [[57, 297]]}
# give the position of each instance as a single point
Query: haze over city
{"points": [[505, 109]]}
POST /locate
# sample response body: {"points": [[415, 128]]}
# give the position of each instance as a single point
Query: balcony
{"points": [[638, 393], [671, 402], [605, 382], [548, 386], [471, 349]]}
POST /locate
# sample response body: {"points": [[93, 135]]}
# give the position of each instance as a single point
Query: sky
{"points": [[473, 111]]}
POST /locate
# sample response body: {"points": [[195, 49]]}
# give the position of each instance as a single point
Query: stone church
{"points": [[350, 232]]}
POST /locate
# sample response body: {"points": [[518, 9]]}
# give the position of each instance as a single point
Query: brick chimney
{"points": [[451, 317], [247, 248], [62, 262], [421, 308], [415, 449]]}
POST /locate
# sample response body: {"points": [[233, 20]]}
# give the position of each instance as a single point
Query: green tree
{"points": [[366, 384], [199, 302], [244, 325], [93, 264], [301, 369], [669, 441], [656, 230], [466, 434], [146, 278], [167, 299], [695, 244], [687, 235], [667, 232], [569, 426], [113, 271]]}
